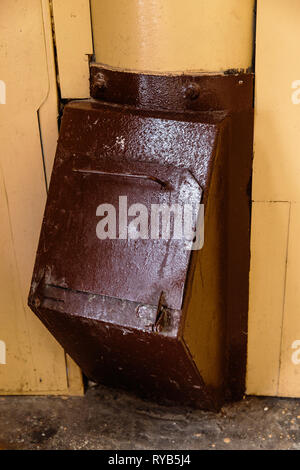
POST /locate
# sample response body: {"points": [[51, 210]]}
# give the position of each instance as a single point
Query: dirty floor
{"points": [[106, 419]]}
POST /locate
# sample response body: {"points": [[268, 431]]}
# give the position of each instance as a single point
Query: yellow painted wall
{"points": [[31, 361], [274, 311], [173, 35]]}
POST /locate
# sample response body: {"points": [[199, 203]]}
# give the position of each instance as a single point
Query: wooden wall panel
{"points": [[277, 130], [274, 328], [270, 223], [73, 34], [35, 362], [289, 366]]}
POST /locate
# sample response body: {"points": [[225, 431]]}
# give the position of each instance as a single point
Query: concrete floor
{"points": [[108, 419]]}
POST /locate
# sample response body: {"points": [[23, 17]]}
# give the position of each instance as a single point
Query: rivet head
{"points": [[99, 82], [191, 91]]}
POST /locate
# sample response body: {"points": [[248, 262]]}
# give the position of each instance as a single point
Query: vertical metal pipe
{"points": [[175, 36]]}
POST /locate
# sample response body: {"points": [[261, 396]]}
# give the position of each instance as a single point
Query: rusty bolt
{"points": [[191, 91], [37, 302], [99, 82]]}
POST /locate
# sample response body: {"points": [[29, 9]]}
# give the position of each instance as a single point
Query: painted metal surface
{"points": [[149, 266], [120, 308], [231, 91], [173, 36]]}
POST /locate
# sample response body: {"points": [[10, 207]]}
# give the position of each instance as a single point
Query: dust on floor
{"points": [[109, 419]]}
